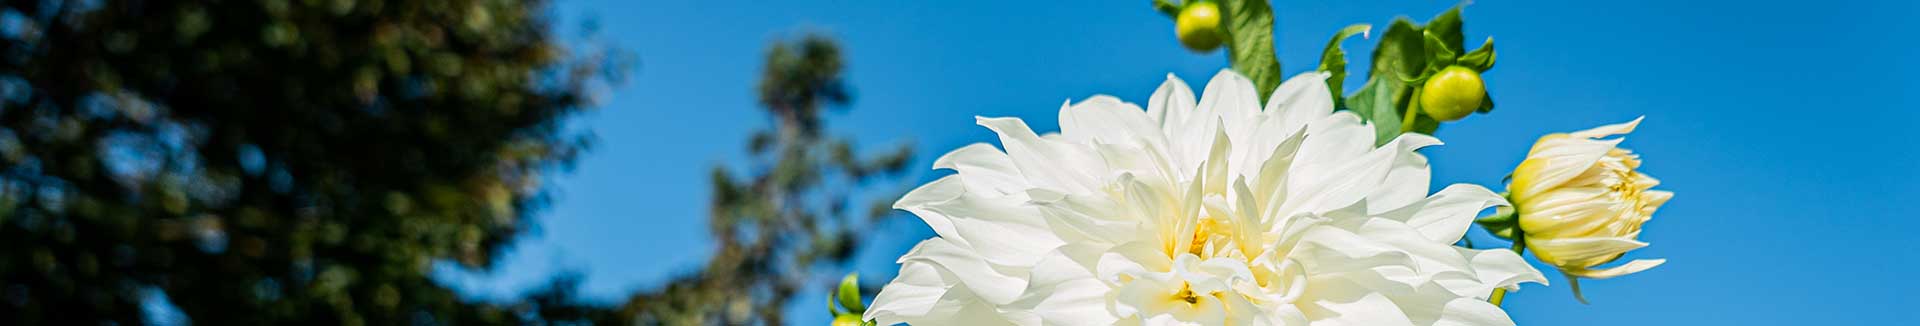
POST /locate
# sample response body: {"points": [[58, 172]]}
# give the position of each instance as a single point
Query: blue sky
{"points": [[1782, 125]]}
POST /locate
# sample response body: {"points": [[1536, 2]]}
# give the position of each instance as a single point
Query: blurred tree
{"points": [[789, 216], [278, 161]]}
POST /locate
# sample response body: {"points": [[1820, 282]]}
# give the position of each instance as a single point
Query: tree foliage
{"points": [[277, 161], [793, 212]]}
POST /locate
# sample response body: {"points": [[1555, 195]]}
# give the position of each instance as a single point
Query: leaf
{"points": [[1480, 59], [1375, 104], [1249, 28], [1439, 55], [1448, 27], [1400, 63], [1400, 50], [1333, 60], [1381, 101]]}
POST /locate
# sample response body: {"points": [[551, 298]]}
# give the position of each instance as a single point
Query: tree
{"points": [[277, 162], [789, 216]]}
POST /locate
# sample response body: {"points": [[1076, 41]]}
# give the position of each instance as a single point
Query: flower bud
{"points": [[1452, 93], [1198, 26], [848, 320], [1581, 202]]}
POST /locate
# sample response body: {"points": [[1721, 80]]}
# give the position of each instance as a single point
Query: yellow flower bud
{"points": [[1198, 26], [1581, 202], [1452, 94]]}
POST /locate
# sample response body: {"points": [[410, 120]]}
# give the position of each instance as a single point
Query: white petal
{"points": [[915, 292], [1107, 120], [1232, 98], [1323, 187], [1044, 162], [1004, 231], [922, 295], [984, 169], [1351, 306], [1408, 179], [993, 285], [1445, 217], [1559, 160], [1494, 268], [1064, 291], [1171, 103], [1301, 100], [1609, 130], [1631, 267], [1584, 251], [1472, 312], [1087, 219]]}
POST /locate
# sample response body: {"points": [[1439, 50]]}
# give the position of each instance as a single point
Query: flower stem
{"points": [[1519, 247], [1413, 110]]}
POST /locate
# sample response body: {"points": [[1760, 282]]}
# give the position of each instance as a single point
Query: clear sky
{"points": [[1783, 126]]}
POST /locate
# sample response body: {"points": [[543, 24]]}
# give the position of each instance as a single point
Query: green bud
{"points": [[1198, 26], [849, 294], [848, 320], [1452, 93]]}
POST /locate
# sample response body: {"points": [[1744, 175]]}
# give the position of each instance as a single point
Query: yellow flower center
{"points": [[1186, 293]]}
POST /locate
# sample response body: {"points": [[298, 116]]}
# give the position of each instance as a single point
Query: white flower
{"points": [[1220, 213], [1581, 202]]}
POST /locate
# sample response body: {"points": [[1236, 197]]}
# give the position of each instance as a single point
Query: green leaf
{"points": [[1249, 27], [1382, 101], [1448, 27], [1375, 104], [1407, 52], [1400, 50], [1480, 59], [1439, 55], [1333, 60]]}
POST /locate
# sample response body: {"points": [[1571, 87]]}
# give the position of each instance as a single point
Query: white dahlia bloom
{"points": [[1220, 213]]}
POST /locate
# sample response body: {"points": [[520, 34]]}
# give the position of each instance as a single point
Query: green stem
{"points": [[1413, 111], [1519, 247]]}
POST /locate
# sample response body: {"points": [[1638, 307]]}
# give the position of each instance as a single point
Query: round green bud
{"points": [[848, 320], [1198, 26], [1452, 94]]}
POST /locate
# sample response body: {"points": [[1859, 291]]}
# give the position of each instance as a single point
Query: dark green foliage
{"points": [[780, 223], [279, 161]]}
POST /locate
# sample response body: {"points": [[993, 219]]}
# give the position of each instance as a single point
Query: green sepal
{"points": [[833, 307], [1480, 59], [849, 294], [1502, 223], [1486, 103], [1168, 8], [1439, 55]]}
